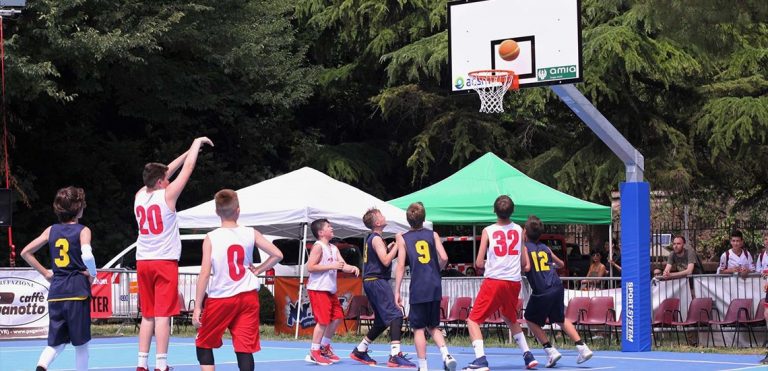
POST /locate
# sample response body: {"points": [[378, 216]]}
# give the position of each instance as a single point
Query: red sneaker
{"points": [[315, 356], [327, 352]]}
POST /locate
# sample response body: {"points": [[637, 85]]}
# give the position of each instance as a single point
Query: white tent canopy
{"points": [[279, 206]]}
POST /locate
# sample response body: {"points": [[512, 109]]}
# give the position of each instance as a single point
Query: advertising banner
{"points": [[101, 295], [286, 304], [23, 304]]}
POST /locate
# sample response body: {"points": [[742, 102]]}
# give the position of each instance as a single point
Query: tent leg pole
{"points": [[301, 280]]}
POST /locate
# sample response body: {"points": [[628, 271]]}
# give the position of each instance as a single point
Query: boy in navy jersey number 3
{"points": [[233, 299], [377, 258], [422, 250], [69, 304], [546, 300]]}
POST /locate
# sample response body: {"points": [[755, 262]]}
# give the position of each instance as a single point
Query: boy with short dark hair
{"points": [[233, 298], [73, 271], [422, 249], [377, 271], [324, 260], [547, 294], [502, 283]]}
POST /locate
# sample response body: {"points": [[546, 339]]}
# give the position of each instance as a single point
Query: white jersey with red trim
{"points": [[505, 243], [325, 280], [158, 227], [231, 255]]}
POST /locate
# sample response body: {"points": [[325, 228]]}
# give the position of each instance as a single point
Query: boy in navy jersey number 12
{"points": [[73, 271], [422, 250], [546, 300]]}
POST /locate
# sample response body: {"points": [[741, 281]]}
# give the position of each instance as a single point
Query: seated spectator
{"points": [[736, 259], [596, 269], [681, 262]]}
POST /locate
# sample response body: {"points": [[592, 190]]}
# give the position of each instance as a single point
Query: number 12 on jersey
{"points": [[540, 261]]}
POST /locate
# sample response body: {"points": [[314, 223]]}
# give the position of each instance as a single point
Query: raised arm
{"points": [[202, 282], [28, 253], [442, 256], [275, 255], [525, 263], [556, 258], [174, 189], [385, 253], [174, 166], [400, 270]]}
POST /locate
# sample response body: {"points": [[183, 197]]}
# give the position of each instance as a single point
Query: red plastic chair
{"points": [[664, 315], [598, 313], [459, 313], [739, 309], [575, 310], [699, 315], [614, 324], [757, 321]]}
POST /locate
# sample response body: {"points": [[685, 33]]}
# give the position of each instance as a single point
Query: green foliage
{"points": [[266, 306]]}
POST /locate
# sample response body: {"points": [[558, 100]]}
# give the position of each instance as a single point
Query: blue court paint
{"points": [[119, 354], [636, 266]]}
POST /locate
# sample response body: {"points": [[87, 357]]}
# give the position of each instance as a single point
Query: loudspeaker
{"points": [[6, 207]]}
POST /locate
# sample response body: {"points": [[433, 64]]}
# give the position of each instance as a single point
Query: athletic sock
{"points": [[81, 357], [423, 364], [521, 342], [49, 354], [477, 345], [143, 360], [325, 341], [394, 349], [444, 352], [161, 361], [314, 346], [363, 346]]}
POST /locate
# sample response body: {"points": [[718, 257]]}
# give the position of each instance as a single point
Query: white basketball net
{"points": [[495, 84]]}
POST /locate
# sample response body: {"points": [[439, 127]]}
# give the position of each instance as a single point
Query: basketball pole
{"points": [[635, 222]]}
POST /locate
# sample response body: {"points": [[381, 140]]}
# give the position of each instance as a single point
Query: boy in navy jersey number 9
{"points": [[547, 293], [422, 250], [73, 271]]}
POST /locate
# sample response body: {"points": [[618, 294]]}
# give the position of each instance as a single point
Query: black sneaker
{"points": [[362, 357], [479, 364]]}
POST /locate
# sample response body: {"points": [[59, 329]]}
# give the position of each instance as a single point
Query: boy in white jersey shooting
{"points": [[158, 249], [501, 286], [324, 260], [233, 298]]}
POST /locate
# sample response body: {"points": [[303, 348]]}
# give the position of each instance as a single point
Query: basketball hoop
{"points": [[491, 86]]}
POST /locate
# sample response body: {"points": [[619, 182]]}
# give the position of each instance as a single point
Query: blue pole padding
{"points": [[636, 266]]}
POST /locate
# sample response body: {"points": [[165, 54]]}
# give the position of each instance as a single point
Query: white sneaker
{"points": [[584, 353], [552, 357]]}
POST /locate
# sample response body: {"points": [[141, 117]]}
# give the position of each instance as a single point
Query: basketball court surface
{"points": [[120, 354]]}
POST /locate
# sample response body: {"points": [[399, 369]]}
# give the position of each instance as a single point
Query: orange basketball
{"points": [[509, 50]]}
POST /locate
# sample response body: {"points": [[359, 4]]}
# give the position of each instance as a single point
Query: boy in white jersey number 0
{"points": [[233, 299]]}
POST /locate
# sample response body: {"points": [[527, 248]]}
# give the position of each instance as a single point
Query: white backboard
{"points": [[547, 31]]}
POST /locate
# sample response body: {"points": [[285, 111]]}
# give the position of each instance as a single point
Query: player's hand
{"points": [[253, 269], [88, 274], [398, 300], [391, 246], [338, 265], [49, 275], [196, 318], [204, 140]]}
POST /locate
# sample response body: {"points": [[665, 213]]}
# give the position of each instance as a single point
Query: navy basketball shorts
{"points": [[382, 299], [546, 305], [424, 315], [70, 322]]}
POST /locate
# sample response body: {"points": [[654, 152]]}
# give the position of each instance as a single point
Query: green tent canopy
{"points": [[467, 197]]}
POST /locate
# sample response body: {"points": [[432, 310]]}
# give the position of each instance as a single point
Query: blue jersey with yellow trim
{"points": [[374, 268], [67, 263], [543, 275], [421, 255]]}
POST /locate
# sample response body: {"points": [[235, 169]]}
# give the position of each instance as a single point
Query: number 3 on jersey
{"points": [[506, 243], [150, 219]]}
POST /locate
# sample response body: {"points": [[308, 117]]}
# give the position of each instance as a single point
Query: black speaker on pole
{"points": [[6, 208]]}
